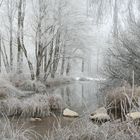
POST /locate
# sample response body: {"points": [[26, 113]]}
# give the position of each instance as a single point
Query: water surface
{"points": [[81, 97]]}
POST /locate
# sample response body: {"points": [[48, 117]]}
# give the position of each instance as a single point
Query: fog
{"points": [[89, 40], [69, 69]]}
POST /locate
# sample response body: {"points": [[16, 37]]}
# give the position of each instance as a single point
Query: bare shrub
{"points": [[120, 100], [122, 130]]}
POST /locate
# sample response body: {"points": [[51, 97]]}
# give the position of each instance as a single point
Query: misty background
{"points": [[90, 40]]}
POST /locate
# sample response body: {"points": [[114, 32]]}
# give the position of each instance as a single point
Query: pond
{"points": [[81, 97]]}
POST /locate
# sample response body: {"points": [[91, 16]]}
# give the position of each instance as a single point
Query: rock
{"points": [[38, 119], [134, 115], [100, 115], [35, 119], [69, 113], [32, 119]]}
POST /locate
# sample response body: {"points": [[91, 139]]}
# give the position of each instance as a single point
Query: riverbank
{"points": [[23, 97], [32, 104], [79, 129]]}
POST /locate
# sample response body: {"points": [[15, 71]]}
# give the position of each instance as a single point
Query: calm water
{"points": [[81, 97]]}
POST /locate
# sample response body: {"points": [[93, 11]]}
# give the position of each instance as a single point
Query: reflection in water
{"points": [[68, 91], [80, 97]]}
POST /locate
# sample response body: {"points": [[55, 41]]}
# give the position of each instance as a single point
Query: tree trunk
{"points": [[39, 45], [20, 40], [68, 67], [45, 59], [115, 20], [0, 56], [63, 61], [19, 53], [5, 57], [11, 46], [56, 55], [83, 65], [48, 66]]}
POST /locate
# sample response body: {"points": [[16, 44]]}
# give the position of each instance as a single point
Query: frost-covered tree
{"points": [[60, 35], [11, 11], [60, 32]]}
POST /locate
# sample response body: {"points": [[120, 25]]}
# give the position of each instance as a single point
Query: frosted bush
{"points": [[34, 106], [56, 102], [40, 87], [36, 86], [8, 90], [27, 85], [37, 105], [11, 106]]}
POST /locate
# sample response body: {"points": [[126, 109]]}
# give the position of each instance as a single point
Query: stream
{"points": [[81, 97]]}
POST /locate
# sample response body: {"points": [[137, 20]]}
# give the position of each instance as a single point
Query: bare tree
{"points": [[0, 55], [125, 55], [21, 10], [11, 11], [20, 40], [63, 60], [41, 42]]}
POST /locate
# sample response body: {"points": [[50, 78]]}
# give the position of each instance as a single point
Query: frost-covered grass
{"points": [[41, 105], [56, 103], [80, 129], [17, 101], [83, 129], [36, 86], [30, 107], [8, 90], [9, 131], [37, 105]]}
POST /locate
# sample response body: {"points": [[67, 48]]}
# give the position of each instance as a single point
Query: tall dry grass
{"points": [[9, 131], [38, 105], [121, 101], [83, 129], [80, 129]]}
